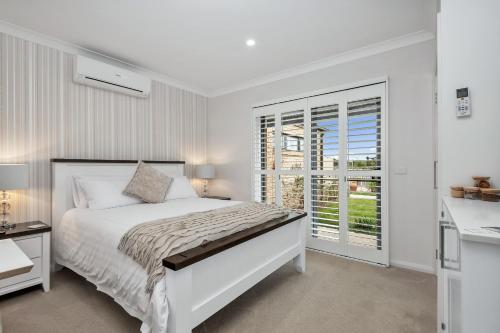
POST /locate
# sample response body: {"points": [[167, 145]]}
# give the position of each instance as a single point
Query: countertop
{"points": [[471, 215]]}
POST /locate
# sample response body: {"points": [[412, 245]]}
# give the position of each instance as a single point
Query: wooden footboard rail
{"points": [[191, 256], [202, 280]]}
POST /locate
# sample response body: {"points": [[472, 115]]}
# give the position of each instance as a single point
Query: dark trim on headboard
{"points": [[83, 160]]}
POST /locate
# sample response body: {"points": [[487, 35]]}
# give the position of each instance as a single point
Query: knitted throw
{"points": [[150, 242]]}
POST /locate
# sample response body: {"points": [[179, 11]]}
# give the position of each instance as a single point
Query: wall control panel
{"points": [[463, 103]]}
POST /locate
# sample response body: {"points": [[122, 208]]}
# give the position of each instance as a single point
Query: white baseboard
{"points": [[413, 266]]}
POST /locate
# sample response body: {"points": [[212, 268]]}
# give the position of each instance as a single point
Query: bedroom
{"points": [[298, 158]]}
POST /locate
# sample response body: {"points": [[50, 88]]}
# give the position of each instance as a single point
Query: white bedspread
{"points": [[86, 242]]}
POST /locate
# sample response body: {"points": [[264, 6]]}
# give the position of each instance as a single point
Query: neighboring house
{"points": [[292, 156]]}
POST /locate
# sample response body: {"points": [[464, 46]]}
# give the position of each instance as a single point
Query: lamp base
{"points": [[4, 203], [7, 226], [205, 188]]}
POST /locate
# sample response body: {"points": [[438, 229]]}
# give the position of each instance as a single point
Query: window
{"points": [[292, 143]]}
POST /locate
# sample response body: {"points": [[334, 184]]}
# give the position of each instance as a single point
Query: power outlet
{"points": [[401, 171]]}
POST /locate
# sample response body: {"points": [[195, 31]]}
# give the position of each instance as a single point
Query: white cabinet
{"points": [[469, 273], [449, 276]]}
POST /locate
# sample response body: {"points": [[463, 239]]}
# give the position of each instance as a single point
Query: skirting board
{"points": [[413, 266]]}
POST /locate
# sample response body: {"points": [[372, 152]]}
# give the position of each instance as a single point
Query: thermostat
{"points": [[463, 102]]}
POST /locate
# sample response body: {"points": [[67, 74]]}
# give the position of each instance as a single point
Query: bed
{"points": [[198, 282]]}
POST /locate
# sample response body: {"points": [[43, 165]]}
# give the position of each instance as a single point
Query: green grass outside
{"points": [[362, 218], [368, 194]]}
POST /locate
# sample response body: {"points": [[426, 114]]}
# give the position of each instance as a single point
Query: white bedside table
{"points": [[35, 244], [13, 262]]}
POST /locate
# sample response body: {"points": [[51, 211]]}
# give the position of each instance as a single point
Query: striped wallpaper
{"points": [[44, 114]]}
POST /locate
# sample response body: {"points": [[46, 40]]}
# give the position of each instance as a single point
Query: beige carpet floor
{"points": [[334, 295]]}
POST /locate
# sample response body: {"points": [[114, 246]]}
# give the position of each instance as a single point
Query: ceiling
{"points": [[202, 42]]}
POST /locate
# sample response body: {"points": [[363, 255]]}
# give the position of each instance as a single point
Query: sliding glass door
{"points": [[326, 155]]}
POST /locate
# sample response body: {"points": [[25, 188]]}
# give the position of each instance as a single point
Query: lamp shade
{"points": [[13, 176], [205, 171]]}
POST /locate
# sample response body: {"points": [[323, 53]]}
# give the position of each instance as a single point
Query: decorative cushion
{"points": [[148, 184]]}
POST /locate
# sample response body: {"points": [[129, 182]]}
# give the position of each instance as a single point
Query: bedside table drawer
{"points": [[36, 272], [31, 246]]}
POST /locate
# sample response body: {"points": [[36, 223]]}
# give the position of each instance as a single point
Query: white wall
{"points": [[411, 71], [469, 56]]}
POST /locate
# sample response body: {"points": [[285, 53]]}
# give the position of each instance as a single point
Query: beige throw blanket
{"points": [[150, 242]]}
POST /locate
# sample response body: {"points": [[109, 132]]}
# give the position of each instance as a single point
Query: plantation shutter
{"points": [[364, 149], [325, 138], [325, 154], [292, 140], [324, 147], [325, 207], [364, 141], [292, 159], [265, 159]]}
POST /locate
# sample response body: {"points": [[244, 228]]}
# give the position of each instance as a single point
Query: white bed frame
{"points": [[197, 291]]}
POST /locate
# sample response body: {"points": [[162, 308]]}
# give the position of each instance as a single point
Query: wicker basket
{"points": [[472, 192], [457, 191], [481, 182], [490, 194]]}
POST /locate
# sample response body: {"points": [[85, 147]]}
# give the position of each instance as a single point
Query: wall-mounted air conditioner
{"points": [[98, 74]]}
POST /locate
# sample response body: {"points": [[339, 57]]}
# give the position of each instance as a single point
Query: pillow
{"points": [[181, 188], [79, 196], [106, 193], [148, 184]]}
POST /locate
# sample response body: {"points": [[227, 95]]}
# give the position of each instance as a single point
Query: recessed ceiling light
{"points": [[250, 42]]}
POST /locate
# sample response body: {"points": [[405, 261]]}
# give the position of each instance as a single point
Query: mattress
{"points": [[86, 241]]}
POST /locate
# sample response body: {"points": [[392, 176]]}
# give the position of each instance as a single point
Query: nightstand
{"points": [[35, 243], [216, 197]]}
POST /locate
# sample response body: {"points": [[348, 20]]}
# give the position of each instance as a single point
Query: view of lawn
{"points": [[362, 214], [367, 194], [362, 204]]}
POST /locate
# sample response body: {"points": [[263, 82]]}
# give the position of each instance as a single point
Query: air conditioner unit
{"points": [[98, 74]]}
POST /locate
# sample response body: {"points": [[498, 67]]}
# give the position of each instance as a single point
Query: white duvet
{"points": [[86, 242]]}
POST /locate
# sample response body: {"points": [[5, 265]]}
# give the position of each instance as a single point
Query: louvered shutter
{"points": [[363, 137], [292, 159], [326, 154], [265, 159], [364, 149], [324, 147]]}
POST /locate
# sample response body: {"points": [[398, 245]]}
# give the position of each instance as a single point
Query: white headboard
{"points": [[63, 171]]}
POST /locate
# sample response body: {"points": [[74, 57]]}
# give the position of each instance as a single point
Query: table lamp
{"points": [[12, 177], [205, 172]]}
